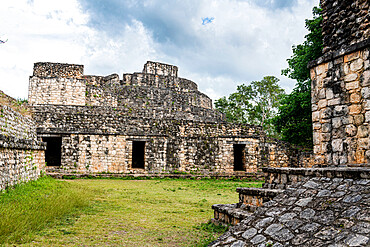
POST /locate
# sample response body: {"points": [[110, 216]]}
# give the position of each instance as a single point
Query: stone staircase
{"points": [[249, 200]]}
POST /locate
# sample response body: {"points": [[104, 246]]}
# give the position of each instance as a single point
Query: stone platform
{"points": [[317, 207], [249, 200]]}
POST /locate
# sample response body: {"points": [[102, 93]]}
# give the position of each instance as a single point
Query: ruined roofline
{"points": [[158, 68], [50, 69]]}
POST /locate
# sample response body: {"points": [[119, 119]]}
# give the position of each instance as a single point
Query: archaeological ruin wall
{"points": [[327, 205], [21, 153], [341, 86], [147, 123]]}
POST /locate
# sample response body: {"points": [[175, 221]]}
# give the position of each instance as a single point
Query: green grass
{"points": [[29, 208], [156, 212]]}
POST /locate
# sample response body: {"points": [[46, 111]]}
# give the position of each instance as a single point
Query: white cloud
{"points": [[243, 43], [37, 31]]}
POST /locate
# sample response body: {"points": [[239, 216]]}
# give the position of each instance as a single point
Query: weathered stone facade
{"points": [[341, 93], [327, 206], [100, 122], [21, 154], [345, 23]]}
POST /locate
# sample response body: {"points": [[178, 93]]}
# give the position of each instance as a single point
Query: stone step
{"points": [[249, 200], [256, 196], [230, 214]]}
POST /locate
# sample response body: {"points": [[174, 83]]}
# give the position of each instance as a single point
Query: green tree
{"points": [[255, 103], [294, 121]]}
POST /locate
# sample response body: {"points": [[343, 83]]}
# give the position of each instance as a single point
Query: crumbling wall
{"points": [[21, 154]]}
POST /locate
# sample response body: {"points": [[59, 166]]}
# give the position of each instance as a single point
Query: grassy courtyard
{"points": [[114, 212]]}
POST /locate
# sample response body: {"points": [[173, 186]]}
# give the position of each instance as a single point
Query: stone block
{"points": [[363, 143], [360, 156], [316, 126], [315, 116], [329, 93], [354, 109], [347, 120], [337, 145], [352, 84], [365, 78], [357, 64], [326, 147], [365, 92], [358, 119], [350, 77], [325, 137], [322, 103], [326, 127], [326, 113], [336, 101], [317, 149], [362, 131], [340, 110], [351, 56], [312, 73], [355, 98], [322, 93], [316, 138], [337, 122], [346, 69], [367, 116], [322, 68]]}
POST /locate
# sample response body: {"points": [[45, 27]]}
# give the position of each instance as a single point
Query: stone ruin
{"points": [[329, 204], [155, 123], [22, 154], [147, 124]]}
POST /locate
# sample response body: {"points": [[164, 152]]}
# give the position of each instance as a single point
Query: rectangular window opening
{"points": [[138, 154], [53, 153], [239, 157]]}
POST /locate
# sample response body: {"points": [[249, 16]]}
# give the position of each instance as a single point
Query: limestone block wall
{"points": [[276, 153], [99, 139], [14, 124], [56, 91], [21, 154], [345, 23], [20, 160], [341, 107], [160, 69]]}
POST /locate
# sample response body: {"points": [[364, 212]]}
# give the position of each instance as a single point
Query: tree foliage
{"points": [[255, 103], [294, 121]]}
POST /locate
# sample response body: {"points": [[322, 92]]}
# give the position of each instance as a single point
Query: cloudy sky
{"points": [[216, 43]]}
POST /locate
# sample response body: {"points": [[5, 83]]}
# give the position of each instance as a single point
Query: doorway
{"points": [[53, 153], [138, 154], [239, 157]]}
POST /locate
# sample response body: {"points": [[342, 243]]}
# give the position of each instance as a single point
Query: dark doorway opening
{"points": [[239, 157], [53, 153], [138, 154]]}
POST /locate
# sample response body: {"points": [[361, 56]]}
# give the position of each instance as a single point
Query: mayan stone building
{"points": [[147, 123], [328, 204]]}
